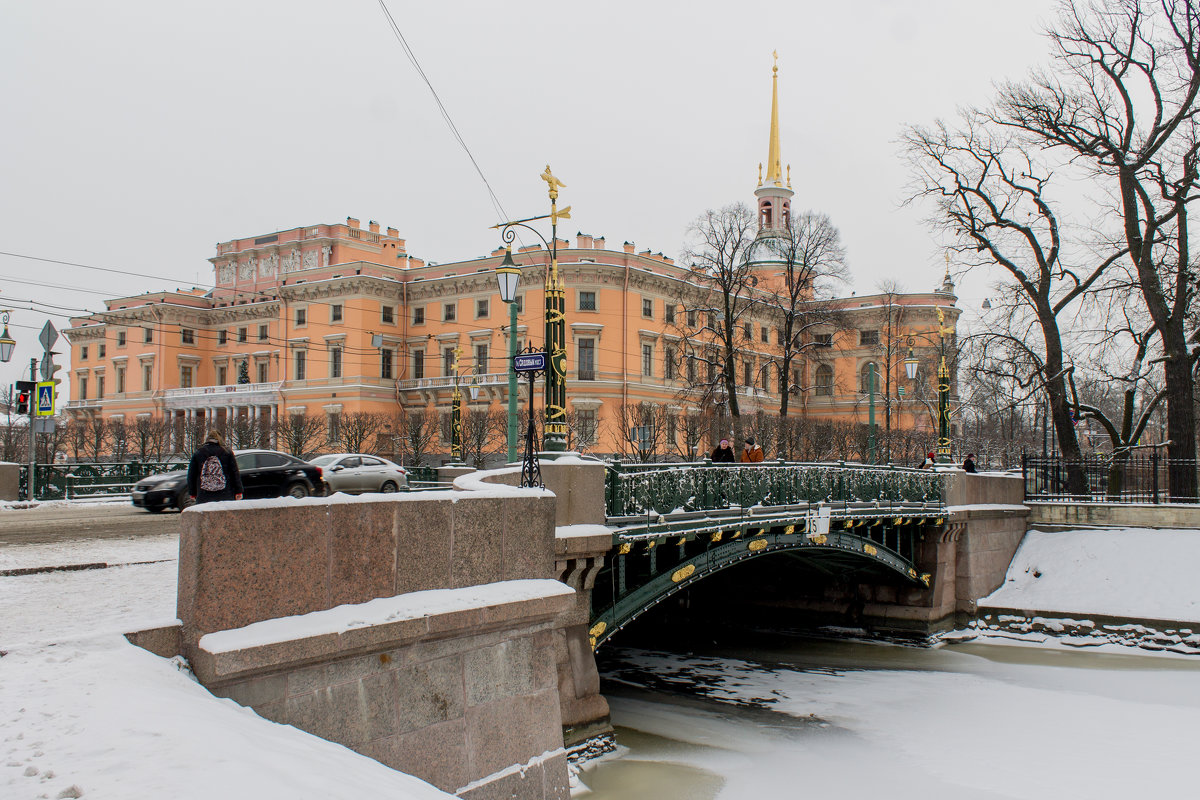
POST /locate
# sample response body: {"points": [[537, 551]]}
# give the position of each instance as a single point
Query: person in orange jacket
{"points": [[751, 453]]}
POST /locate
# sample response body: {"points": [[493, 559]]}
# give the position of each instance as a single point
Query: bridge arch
{"points": [[622, 594]]}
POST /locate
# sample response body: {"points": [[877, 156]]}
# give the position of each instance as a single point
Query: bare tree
{"points": [[300, 434], [719, 298], [1122, 103], [118, 435], [359, 427], [811, 262], [994, 199], [640, 431], [691, 427], [483, 433], [416, 429]]}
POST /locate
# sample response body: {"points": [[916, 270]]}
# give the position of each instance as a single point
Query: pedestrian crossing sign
{"points": [[45, 399]]}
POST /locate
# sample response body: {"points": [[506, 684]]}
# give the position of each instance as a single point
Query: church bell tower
{"points": [[774, 195]]}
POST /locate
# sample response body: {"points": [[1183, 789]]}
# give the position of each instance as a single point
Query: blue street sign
{"points": [[45, 399], [529, 362]]}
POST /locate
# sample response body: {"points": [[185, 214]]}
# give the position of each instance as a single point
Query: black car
{"points": [[265, 473]]}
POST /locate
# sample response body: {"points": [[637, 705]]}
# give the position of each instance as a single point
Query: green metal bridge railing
{"points": [[71, 481]]}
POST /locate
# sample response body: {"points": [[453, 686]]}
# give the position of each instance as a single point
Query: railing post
{"points": [[1154, 471]]}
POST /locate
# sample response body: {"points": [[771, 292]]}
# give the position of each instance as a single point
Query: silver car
{"points": [[357, 472]]}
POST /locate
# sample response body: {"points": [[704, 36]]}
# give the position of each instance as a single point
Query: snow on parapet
{"points": [[413, 605]]}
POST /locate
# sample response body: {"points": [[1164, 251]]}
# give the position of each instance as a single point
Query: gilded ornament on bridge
{"points": [[912, 573], [761, 531], [925, 578], [869, 549], [941, 520], [599, 628], [683, 574], [789, 530], [820, 538], [756, 545], [624, 548], [651, 544], [716, 537], [682, 541]]}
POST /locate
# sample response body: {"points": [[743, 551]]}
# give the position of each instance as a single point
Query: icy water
{"points": [[795, 717]]}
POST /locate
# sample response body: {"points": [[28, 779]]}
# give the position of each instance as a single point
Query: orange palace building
{"points": [[330, 319]]}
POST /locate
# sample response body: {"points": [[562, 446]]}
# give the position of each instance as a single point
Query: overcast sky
{"points": [[137, 134]]}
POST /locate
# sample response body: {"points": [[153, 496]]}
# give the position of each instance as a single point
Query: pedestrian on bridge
{"points": [[213, 472], [751, 453], [723, 453], [969, 463]]}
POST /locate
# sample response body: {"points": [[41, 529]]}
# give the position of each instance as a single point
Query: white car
{"points": [[358, 472]]}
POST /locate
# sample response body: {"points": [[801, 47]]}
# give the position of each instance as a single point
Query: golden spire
{"points": [[773, 159]]}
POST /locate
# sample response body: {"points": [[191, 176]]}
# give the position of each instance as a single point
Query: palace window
{"points": [[241, 335], [587, 301], [448, 361], [120, 338], [99, 386], [262, 371], [449, 312], [481, 359], [301, 363], [147, 377], [823, 381], [147, 335], [481, 309], [222, 374], [766, 334], [81, 382], [669, 363], [418, 364], [419, 315], [120, 380], [823, 340], [222, 336], [868, 338], [187, 336], [585, 351], [301, 317], [647, 360], [186, 379], [864, 382], [386, 359], [388, 315], [586, 424], [83, 353], [647, 308], [100, 350], [335, 312], [669, 312], [335, 362], [263, 333], [692, 319]]}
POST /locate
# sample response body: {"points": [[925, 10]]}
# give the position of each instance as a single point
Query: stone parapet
{"points": [[465, 699], [10, 480], [240, 563], [1072, 514]]}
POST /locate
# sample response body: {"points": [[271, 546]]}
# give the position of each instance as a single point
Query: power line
{"points": [[442, 108]]}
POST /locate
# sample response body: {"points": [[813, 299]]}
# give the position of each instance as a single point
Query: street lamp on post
{"points": [[555, 439], [508, 275], [7, 343]]}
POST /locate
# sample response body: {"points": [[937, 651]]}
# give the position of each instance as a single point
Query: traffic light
{"points": [[48, 367], [24, 395]]}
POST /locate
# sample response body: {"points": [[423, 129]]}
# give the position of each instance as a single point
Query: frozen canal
{"points": [[814, 718]]}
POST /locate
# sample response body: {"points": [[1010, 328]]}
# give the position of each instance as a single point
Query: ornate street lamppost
{"points": [[555, 438], [456, 447], [7, 343], [508, 275], [943, 447]]}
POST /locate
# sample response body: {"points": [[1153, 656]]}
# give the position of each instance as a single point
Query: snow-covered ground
{"points": [[1133, 572], [85, 714]]}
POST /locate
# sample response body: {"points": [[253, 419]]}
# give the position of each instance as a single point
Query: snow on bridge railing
{"points": [[682, 487]]}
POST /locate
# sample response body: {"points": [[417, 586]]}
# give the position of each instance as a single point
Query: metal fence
{"points": [[668, 488], [98, 480], [1132, 478]]}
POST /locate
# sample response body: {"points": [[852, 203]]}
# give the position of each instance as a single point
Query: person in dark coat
{"points": [[213, 472], [969, 463], [723, 453]]}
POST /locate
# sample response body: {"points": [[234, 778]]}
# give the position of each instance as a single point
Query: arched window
{"points": [[864, 377], [823, 382], [764, 214]]}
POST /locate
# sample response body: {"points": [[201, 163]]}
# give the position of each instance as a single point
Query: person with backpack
{"points": [[213, 472]]}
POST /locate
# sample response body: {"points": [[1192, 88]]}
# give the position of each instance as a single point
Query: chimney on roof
{"points": [[629, 246], [583, 241], [392, 232], [374, 226], [352, 222], [598, 243]]}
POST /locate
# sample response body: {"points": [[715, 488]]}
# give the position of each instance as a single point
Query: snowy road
{"points": [[58, 522]]}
